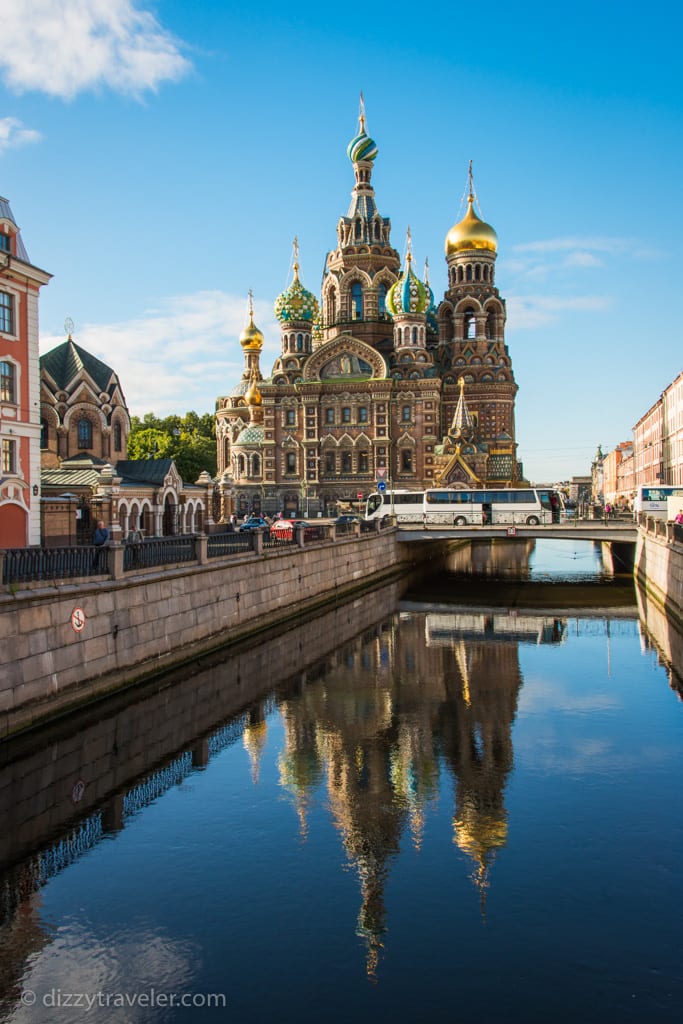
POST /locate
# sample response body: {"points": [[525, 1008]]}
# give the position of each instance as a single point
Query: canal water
{"points": [[458, 801]]}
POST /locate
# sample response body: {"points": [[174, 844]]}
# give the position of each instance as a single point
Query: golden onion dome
{"points": [[251, 338], [252, 395], [471, 233]]}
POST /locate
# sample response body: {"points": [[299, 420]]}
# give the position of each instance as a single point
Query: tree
{"points": [[189, 440]]}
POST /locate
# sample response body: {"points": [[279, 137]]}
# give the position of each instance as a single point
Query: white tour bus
{"points": [[515, 505], [652, 499]]}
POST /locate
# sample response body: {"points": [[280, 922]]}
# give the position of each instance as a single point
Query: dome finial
{"points": [[409, 246], [361, 114], [471, 232], [295, 256]]}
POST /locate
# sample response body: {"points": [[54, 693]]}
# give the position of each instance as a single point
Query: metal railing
{"points": [[30, 565], [221, 544], [159, 551]]}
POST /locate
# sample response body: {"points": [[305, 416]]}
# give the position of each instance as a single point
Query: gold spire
{"points": [[295, 252], [361, 113]]}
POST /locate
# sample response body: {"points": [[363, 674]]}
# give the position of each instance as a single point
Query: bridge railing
{"points": [[672, 533]]}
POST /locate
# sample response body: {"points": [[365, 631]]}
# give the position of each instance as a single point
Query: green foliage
{"points": [[189, 440]]}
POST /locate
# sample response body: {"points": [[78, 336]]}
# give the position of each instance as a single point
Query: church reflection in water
{"points": [[377, 727], [427, 694]]}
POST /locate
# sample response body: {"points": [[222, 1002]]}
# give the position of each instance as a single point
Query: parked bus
{"points": [[515, 505], [652, 499], [407, 506]]}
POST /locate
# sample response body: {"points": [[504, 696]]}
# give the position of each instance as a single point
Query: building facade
{"points": [[20, 284], [374, 382]]}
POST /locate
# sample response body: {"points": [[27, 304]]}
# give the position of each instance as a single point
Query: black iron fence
{"points": [[32, 565], [29, 565]]}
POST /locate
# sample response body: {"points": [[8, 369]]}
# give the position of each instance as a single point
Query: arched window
{"points": [[414, 335], [84, 433], [240, 465], [346, 462], [469, 272], [406, 460], [256, 466], [491, 324], [117, 437], [469, 324], [331, 306], [44, 433], [382, 300], [356, 301], [363, 462], [299, 342], [358, 229], [291, 462], [329, 462]]}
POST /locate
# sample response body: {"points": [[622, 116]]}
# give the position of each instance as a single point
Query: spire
{"points": [[463, 426]]}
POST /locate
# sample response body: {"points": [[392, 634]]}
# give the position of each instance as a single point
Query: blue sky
{"points": [[160, 158]]}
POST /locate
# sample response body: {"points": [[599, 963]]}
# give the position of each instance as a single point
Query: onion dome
{"points": [[361, 146], [408, 295], [296, 302], [471, 232], [251, 338], [253, 434], [252, 395]]}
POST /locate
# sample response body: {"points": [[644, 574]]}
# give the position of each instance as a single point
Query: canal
{"points": [[457, 800]]}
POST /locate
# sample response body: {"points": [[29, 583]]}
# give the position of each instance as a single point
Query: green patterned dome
{"points": [[408, 295], [253, 434], [296, 302], [362, 147]]}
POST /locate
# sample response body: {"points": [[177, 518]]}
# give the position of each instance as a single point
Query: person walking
{"points": [[100, 539]]}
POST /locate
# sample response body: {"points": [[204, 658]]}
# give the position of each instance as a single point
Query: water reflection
{"points": [[394, 723]]}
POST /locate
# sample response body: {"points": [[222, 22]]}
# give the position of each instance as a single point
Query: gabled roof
{"points": [[67, 360], [143, 471]]}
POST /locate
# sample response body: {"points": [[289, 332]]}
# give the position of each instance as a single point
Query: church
{"points": [[375, 381]]}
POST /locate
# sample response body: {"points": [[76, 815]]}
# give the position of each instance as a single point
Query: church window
{"points": [[358, 229], [356, 300], [346, 414], [7, 382], [117, 437], [329, 462], [44, 433], [291, 462], [240, 465], [477, 273], [4, 242], [329, 415], [256, 466], [84, 433], [346, 462], [299, 342], [405, 414], [470, 324], [363, 462], [414, 335], [382, 301], [491, 325], [290, 417], [406, 460], [6, 313], [362, 414]]}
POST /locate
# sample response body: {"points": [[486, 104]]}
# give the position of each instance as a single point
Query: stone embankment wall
{"points": [[147, 623], [659, 568]]}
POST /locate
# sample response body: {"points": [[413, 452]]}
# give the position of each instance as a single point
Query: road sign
{"points": [[381, 472], [381, 487], [78, 620], [359, 496]]}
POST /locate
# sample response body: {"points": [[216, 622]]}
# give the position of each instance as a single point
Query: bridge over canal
{"points": [[604, 531]]}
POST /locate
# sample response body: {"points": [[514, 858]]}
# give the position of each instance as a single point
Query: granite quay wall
{"points": [[76, 640], [110, 758], [658, 566]]}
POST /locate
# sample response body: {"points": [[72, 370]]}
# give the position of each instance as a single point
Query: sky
{"points": [[160, 157]]}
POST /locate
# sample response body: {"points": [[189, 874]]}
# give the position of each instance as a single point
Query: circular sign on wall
{"points": [[78, 619]]}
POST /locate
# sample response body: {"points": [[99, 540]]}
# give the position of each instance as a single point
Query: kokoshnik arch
{"points": [[375, 381]]}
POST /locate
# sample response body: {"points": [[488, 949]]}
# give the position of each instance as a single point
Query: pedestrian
{"points": [[100, 539], [678, 518]]}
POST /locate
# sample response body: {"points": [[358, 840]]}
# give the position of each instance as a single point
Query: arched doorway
{"points": [[170, 524]]}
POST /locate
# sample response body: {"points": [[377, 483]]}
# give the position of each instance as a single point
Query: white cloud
{"points": [[63, 47], [14, 134], [181, 355], [584, 244], [526, 312]]}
